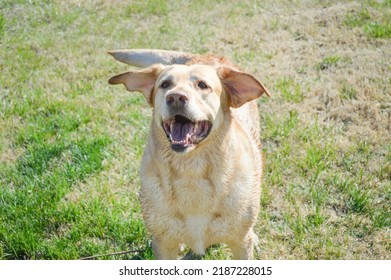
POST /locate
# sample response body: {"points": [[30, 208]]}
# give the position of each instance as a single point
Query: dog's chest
{"points": [[193, 196], [196, 202]]}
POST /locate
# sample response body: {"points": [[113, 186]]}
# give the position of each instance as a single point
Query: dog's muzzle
{"points": [[184, 133]]}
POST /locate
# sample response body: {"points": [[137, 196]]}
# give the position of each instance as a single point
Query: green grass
{"points": [[373, 25], [71, 145], [289, 90], [347, 91], [328, 62], [2, 24], [150, 7]]}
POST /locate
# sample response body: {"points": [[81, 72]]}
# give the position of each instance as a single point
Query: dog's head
{"points": [[189, 101]]}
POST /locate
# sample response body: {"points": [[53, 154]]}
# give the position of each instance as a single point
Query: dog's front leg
{"points": [[243, 248], [164, 250]]}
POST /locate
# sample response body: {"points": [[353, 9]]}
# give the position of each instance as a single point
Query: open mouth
{"points": [[184, 133]]}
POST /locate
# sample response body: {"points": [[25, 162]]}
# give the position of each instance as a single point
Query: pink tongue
{"points": [[180, 130]]}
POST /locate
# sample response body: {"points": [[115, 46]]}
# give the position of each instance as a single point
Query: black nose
{"points": [[177, 100]]}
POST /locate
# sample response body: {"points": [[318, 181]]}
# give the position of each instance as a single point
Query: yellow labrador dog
{"points": [[202, 167]]}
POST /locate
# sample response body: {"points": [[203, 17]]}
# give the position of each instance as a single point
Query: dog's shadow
{"points": [[217, 250]]}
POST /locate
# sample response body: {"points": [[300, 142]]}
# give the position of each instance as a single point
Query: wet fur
{"points": [[211, 194]]}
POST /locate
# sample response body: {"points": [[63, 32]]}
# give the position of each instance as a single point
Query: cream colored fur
{"points": [[210, 193]]}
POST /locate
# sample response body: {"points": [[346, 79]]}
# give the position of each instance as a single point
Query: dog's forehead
{"points": [[190, 72]]}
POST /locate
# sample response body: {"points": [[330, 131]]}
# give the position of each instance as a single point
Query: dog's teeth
{"points": [[167, 127], [188, 138], [171, 125], [195, 126], [180, 142]]}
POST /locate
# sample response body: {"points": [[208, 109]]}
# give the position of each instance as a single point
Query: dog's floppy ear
{"points": [[142, 81], [240, 87], [148, 57]]}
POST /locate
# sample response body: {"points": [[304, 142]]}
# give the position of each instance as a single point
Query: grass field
{"points": [[70, 145]]}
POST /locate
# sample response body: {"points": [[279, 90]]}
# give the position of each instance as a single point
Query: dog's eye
{"points": [[165, 84], [202, 85]]}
